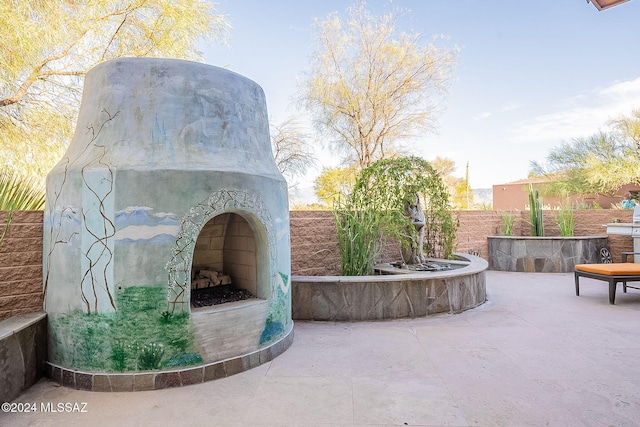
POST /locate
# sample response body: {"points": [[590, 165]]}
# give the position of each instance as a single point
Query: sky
{"points": [[530, 74]]}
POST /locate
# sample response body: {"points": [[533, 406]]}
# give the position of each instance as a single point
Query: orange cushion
{"points": [[614, 269]]}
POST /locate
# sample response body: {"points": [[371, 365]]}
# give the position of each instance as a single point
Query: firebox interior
{"points": [[226, 257]]}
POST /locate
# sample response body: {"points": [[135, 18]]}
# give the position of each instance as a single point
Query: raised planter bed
{"points": [[543, 254], [359, 298]]}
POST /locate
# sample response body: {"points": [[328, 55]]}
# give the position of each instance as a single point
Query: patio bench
{"points": [[612, 273]]}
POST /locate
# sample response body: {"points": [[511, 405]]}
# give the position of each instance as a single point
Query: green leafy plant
{"points": [[119, 356], [535, 212], [375, 211], [359, 237], [115, 342], [565, 219], [150, 356], [508, 221], [90, 344], [166, 316], [18, 193]]}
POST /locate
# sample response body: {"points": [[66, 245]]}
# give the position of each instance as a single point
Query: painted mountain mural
{"points": [[140, 224], [143, 240]]}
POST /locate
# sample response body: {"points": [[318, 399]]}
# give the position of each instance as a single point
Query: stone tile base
{"points": [[155, 380]]}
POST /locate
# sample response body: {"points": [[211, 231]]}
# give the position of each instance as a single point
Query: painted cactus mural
{"points": [[164, 148]]}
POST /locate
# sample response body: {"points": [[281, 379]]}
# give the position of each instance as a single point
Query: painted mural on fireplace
{"points": [[147, 325], [161, 147]]}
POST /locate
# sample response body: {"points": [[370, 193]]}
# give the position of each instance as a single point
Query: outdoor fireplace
{"points": [[168, 189]]}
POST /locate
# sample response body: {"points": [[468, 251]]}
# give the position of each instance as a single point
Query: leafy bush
{"points": [[375, 210], [119, 356], [120, 341], [186, 359], [565, 220], [508, 220], [150, 356], [359, 237], [20, 193]]}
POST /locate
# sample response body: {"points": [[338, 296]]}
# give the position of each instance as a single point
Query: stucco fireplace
{"points": [[169, 185]]}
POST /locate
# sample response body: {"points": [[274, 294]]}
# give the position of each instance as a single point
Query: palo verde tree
{"points": [[370, 87], [335, 184], [600, 163], [376, 211], [46, 47], [459, 190]]}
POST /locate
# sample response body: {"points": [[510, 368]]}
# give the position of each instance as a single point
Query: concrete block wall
{"points": [[314, 244], [591, 222], [588, 222], [20, 263], [474, 228]]}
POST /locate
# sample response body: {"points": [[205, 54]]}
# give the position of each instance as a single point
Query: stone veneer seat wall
{"points": [[543, 254], [23, 351]]}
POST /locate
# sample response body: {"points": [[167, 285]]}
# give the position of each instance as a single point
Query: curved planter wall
{"points": [[360, 298], [543, 254]]}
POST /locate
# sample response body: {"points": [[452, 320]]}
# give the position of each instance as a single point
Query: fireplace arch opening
{"points": [[229, 261]]}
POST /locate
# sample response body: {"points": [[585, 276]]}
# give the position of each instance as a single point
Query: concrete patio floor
{"points": [[533, 355]]}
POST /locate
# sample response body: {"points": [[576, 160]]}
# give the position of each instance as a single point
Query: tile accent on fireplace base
{"points": [[155, 380]]}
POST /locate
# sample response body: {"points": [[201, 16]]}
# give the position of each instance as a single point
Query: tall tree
{"points": [[333, 185], [292, 150], [458, 188], [601, 163], [47, 46], [370, 86]]}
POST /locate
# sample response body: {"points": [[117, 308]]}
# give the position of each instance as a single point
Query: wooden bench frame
{"points": [[613, 280]]}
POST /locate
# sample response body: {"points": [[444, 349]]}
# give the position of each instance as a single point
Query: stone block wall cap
{"points": [[476, 265], [18, 322], [548, 237]]}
